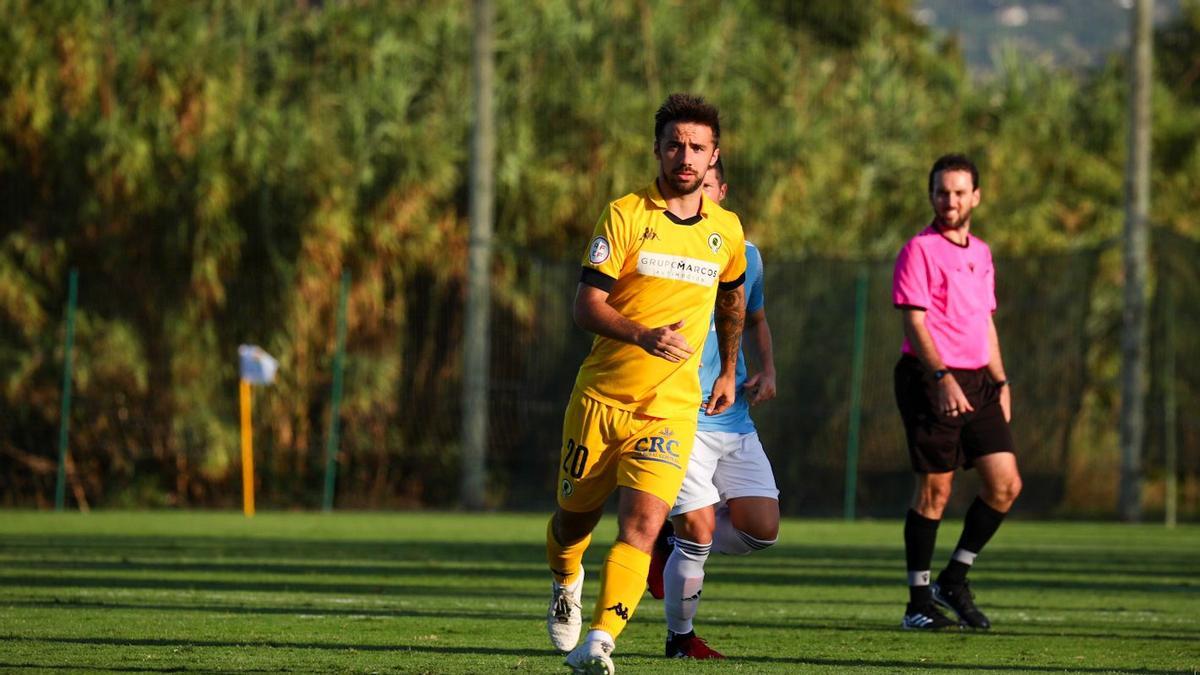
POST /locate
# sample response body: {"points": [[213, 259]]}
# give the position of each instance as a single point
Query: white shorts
{"points": [[725, 466]]}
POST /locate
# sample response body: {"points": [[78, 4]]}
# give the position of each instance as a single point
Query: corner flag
{"points": [[256, 366]]}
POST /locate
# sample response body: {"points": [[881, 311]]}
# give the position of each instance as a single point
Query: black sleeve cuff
{"points": [[903, 306], [730, 285], [597, 279]]}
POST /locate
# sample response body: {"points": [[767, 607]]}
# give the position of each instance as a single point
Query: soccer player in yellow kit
{"points": [[658, 261]]}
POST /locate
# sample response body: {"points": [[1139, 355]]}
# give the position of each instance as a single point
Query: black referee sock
{"points": [[980, 523], [920, 536]]}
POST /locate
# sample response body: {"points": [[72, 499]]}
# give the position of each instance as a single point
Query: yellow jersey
{"points": [[658, 269]]}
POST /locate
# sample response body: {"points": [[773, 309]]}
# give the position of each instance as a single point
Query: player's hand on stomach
{"points": [[665, 343], [760, 387]]}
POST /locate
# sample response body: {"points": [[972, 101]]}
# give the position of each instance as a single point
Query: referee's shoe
{"points": [[926, 617], [960, 600]]}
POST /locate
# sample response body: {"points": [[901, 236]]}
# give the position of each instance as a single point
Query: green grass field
{"points": [[456, 593]]}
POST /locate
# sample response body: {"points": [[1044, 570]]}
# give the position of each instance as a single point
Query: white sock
{"points": [[683, 577], [732, 541], [601, 635]]}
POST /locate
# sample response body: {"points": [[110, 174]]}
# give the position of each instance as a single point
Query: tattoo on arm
{"points": [[730, 317]]}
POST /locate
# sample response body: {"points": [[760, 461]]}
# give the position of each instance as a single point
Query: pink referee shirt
{"points": [[956, 286]]}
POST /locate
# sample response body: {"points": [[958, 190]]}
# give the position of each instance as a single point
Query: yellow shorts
{"points": [[604, 447]]}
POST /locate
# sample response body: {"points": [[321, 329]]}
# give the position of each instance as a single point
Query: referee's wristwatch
{"points": [[939, 374]]}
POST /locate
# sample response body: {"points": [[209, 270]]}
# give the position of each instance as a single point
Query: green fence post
{"points": [[339, 358], [1170, 448], [856, 376], [64, 424]]}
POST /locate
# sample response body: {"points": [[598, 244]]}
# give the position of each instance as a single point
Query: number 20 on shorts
{"points": [[575, 460]]}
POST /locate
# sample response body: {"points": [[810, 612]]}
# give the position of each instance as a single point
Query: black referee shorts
{"points": [[938, 443]]}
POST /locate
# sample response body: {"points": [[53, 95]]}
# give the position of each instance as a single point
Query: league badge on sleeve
{"points": [[598, 250]]}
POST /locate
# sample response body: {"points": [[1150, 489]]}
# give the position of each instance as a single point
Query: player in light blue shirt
{"points": [[737, 418], [728, 502]]}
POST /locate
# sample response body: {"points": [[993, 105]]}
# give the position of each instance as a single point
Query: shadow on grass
{"points": [[276, 644], [398, 613], [294, 556], [399, 567], [890, 665], [1126, 631], [846, 578], [899, 666], [332, 587], [9, 667]]}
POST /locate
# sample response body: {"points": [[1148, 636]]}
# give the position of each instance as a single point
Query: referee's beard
{"points": [[943, 224]]}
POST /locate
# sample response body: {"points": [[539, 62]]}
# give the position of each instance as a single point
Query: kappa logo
{"points": [[650, 234], [599, 250], [620, 610], [714, 242]]}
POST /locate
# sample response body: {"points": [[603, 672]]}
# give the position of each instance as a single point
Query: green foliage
{"points": [[211, 170], [1177, 52]]}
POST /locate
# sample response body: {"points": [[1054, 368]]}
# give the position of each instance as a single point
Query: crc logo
{"points": [[658, 445]]}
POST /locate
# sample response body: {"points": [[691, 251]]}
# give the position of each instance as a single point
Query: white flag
{"points": [[256, 365]]}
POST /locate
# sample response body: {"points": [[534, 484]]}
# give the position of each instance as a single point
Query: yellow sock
{"points": [[621, 588], [565, 561]]}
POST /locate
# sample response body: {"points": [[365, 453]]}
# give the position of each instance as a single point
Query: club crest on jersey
{"points": [[567, 488], [598, 250], [714, 242]]}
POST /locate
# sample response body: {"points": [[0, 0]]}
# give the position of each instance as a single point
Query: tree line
{"points": [[211, 169]]}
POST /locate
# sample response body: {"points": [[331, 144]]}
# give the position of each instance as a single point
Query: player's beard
{"points": [[682, 186]]}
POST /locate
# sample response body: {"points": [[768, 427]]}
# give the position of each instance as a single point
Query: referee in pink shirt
{"points": [[952, 393]]}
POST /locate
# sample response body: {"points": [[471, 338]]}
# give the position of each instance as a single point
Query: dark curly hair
{"points": [[954, 163], [687, 108]]}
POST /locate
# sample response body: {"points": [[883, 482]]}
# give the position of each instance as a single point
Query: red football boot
{"points": [[688, 646]]}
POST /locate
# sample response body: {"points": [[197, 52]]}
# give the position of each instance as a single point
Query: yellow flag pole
{"points": [[247, 452]]}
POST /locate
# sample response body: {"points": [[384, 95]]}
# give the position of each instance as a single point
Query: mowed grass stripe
{"points": [[438, 592]]}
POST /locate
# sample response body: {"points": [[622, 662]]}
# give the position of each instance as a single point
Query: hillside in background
{"points": [[1072, 33]]}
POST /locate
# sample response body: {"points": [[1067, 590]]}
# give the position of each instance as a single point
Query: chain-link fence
{"points": [[1059, 321], [1173, 433], [1058, 318]]}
